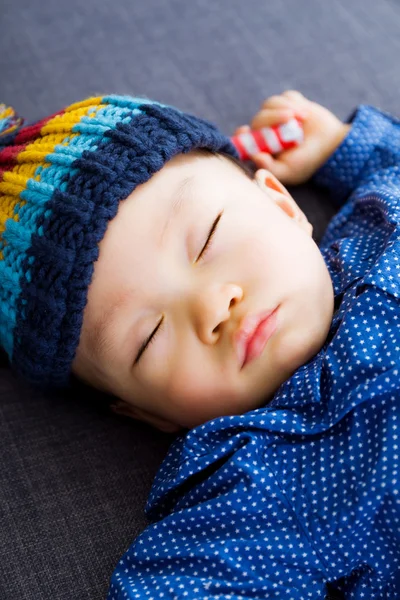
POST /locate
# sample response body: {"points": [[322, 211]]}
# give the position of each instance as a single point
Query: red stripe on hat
{"points": [[8, 158], [8, 155], [30, 132]]}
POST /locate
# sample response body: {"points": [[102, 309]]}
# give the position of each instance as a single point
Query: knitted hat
{"points": [[61, 180]]}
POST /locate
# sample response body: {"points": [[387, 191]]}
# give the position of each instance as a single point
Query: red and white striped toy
{"points": [[269, 139]]}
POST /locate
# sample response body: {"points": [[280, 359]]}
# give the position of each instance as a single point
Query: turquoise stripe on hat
{"points": [[38, 194], [131, 101]]}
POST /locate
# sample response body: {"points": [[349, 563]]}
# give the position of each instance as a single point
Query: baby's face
{"points": [[261, 257]]}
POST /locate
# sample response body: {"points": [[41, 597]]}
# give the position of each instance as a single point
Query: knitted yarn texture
{"points": [[61, 181]]}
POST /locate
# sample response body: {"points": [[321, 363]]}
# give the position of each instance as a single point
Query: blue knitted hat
{"points": [[61, 181]]}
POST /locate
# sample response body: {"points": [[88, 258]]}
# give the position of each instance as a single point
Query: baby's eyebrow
{"points": [[182, 193], [99, 342]]}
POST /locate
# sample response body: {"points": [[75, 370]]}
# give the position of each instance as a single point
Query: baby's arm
{"points": [[230, 533]]}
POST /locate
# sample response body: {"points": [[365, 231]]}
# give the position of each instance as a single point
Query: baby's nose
{"points": [[213, 309]]}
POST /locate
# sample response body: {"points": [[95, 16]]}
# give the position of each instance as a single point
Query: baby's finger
{"points": [[292, 101], [242, 129], [265, 161], [271, 116], [296, 98], [277, 102]]}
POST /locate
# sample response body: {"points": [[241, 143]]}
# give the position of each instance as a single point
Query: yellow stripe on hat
{"points": [[6, 111], [31, 161]]}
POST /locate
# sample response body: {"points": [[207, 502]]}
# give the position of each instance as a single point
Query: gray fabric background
{"points": [[73, 478]]}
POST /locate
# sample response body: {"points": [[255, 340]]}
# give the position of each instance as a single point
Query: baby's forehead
{"points": [[203, 175], [221, 161], [200, 173]]}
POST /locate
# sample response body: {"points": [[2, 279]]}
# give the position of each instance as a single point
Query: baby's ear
{"points": [[281, 197], [128, 410]]}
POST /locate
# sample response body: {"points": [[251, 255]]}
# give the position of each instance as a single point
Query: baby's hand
{"points": [[323, 133]]}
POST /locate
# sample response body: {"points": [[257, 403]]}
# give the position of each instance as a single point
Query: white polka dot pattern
{"points": [[304, 491]]}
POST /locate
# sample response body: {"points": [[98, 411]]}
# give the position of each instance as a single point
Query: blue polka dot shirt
{"points": [[300, 499]]}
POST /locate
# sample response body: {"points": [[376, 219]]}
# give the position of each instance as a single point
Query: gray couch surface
{"points": [[74, 478]]}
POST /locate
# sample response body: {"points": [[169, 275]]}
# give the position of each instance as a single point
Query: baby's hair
{"points": [[244, 167]]}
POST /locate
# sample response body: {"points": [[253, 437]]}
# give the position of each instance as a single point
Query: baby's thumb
{"points": [[263, 160]]}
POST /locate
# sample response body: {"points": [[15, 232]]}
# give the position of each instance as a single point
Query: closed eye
{"points": [[202, 254], [148, 341], [208, 244]]}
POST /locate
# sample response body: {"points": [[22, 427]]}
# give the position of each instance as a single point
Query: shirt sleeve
{"points": [[370, 149], [230, 535]]}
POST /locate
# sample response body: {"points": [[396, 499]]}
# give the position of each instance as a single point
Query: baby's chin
{"points": [[230, 410]]}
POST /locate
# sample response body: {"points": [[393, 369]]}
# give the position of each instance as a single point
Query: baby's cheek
{"points": [[189, 385], [197, 394]]}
